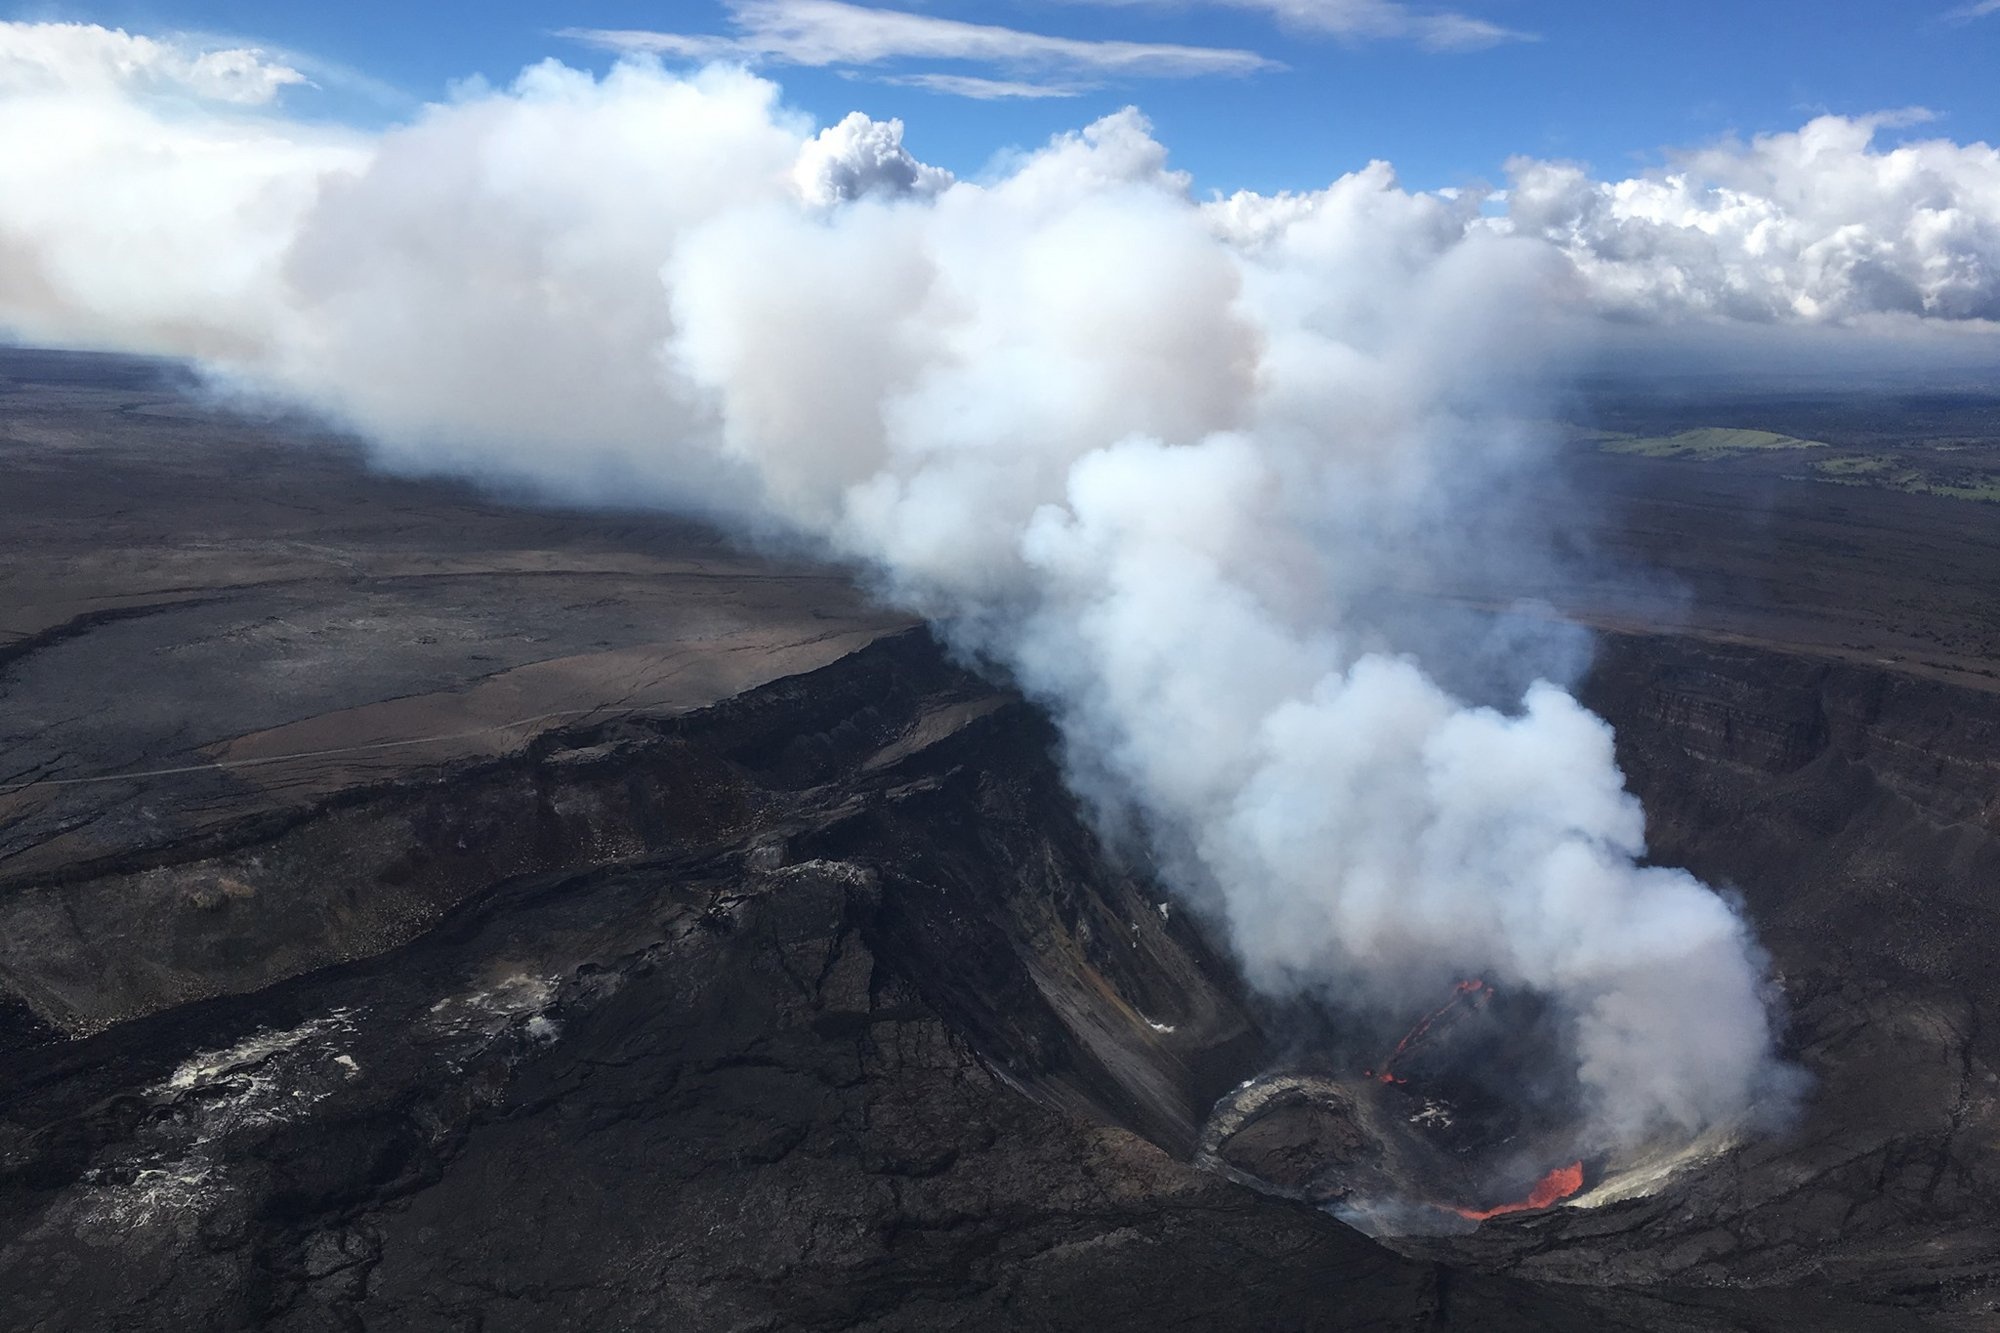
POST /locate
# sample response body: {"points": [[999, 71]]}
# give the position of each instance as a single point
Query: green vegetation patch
{"points": [[1855, 469], [1896, 474], [1705, 442], [1953, 467]]}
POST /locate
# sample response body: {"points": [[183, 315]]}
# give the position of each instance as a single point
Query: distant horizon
{"points": [[1924, 378]]}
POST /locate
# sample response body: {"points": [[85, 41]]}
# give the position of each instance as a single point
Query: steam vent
{"points": [[896, 666]]}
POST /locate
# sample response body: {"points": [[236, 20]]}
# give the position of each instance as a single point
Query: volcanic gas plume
{"points": [[1157, 467]]}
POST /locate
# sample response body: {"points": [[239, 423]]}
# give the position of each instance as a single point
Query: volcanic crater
{"points": [[1472, 1114], [501, 918]]}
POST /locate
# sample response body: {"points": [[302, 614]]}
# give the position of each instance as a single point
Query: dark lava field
{"points": [[420, 911]]}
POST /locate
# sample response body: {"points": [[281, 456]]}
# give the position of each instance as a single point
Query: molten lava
{"points": [[1470, 994], [1550, 1190]]}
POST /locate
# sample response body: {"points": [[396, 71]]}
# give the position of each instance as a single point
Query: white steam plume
{"points": [[1157, 458]]}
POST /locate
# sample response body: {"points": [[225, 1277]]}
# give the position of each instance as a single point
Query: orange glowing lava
{"points": [[1550, 1190], [1471, 993]]}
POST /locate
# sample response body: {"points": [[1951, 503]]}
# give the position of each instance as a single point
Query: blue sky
{"points": [[1261, 102]]}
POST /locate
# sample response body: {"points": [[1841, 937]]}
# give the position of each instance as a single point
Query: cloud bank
{"points": [[1813, 225], [1156, 459]]}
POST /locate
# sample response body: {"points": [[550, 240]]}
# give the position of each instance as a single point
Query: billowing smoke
{"points": [[1159, 460]]}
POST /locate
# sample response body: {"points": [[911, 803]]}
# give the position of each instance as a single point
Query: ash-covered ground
{"points": [[419, 911]]}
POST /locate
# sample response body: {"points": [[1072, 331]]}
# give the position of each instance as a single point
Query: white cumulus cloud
{"points": [[860, 157], [1815, 224]]}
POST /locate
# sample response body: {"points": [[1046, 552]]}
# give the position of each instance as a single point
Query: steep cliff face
{"points": [[998, 900], [1857, 809]]}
